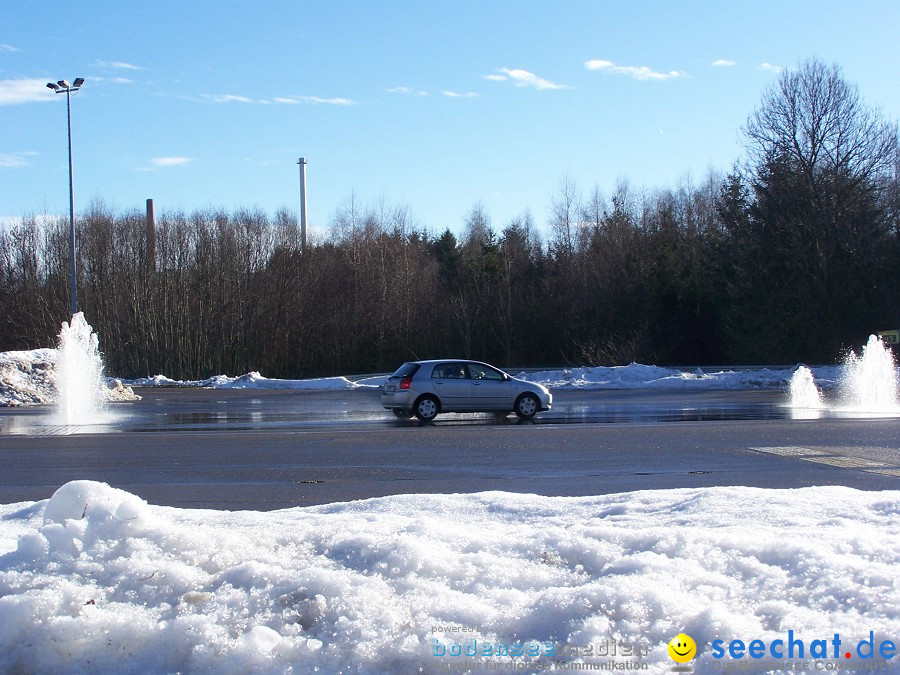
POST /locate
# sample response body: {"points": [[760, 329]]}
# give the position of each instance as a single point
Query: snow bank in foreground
{"points": [[100, 581], [29, 378]]}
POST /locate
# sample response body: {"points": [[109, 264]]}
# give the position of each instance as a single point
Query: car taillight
{"points": [[404, 383]]}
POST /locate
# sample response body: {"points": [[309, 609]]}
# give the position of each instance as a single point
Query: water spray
{"points": [[79, 374], [869, 383]]}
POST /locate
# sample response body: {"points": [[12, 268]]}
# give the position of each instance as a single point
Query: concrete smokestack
{"points": [[302, 163]]}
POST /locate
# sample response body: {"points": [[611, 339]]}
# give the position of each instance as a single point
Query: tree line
{"points": [[792, 256]]}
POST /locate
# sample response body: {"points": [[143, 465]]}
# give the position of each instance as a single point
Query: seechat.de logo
{"points": [[796, 648]]}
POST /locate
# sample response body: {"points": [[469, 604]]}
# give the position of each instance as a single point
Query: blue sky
{"points": [[434, 105]]}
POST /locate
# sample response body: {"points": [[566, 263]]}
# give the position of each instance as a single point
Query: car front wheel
{"points": [[527, 406], [426, 408]]}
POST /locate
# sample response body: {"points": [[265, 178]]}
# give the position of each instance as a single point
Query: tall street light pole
{"points": [[302, 162], [61, 87]]}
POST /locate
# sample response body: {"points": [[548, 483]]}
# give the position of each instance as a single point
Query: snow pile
{"points": [[29, 378], [26, 378], [99, 581], [634, 376], [251, 380], [116, 390], [639, 376]]}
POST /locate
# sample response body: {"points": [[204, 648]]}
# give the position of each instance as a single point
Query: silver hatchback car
{"points": [[427, 388]]}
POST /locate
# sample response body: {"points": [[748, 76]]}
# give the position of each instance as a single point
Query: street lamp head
{"points": [[78, 82], [64, 84], [53, 86]]}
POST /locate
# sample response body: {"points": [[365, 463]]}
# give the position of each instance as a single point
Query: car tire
{"points": [[426, 408], [402, 414], [527, 406]]}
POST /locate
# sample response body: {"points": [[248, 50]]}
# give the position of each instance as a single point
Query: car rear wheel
{"points": [[527, 406], [426, 408]]}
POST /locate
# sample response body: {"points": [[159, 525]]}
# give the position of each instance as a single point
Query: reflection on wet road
{"points": [[164, 409]]}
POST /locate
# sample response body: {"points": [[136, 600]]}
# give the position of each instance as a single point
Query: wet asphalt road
{"points": [[265, 449]]}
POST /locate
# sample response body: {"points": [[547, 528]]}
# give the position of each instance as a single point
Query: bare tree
{"points": [[817, 121], [565, 216], [819, 232]]}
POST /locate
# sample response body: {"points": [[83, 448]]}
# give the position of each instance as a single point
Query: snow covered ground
{"points": [[96, 580]]}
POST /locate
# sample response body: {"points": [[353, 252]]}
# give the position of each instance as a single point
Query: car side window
{"points": [[479, 372], [449, 371]]}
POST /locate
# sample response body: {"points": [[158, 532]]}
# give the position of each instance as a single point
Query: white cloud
{"points": [[598, 64], [295, 100], [116, 65], [283, 100], [329, 101], [768, 67], [110, 80], [227, 98], [407, 90], [9, 48], [635, 72], [14, 92], [525, 78], [165, 162], [15, 160], [724, 63]]}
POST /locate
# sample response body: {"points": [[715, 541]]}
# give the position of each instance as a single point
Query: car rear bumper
{"points": [[399, 400]]}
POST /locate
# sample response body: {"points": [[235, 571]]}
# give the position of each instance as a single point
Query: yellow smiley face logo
{"points": [[682, 648]]}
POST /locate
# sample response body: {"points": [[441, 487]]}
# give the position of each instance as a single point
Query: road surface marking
{"points": [[847, 462], [790, 451]]}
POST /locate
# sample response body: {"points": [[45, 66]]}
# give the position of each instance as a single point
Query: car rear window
{"points": [[406, 370]]}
